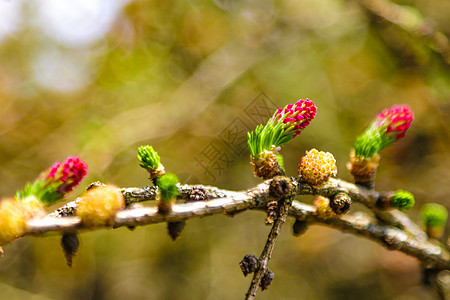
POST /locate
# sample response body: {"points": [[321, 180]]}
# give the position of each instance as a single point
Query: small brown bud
{"points": [[265, 165], [280, 186], [299, 227], [363, 169], [384, 201], [175, 229], [266, 280], [340, 203], [70, 244], [249, 264]]}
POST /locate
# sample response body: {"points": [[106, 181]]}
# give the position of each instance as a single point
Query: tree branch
{"points": [[360, 194], [230, 202], [367, 197], [134, 195], [391, 237]]}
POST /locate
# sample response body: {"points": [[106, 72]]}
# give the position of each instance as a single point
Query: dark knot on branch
{"points": [[266, 280], [280, 186], [340, 203], [249, 264]]}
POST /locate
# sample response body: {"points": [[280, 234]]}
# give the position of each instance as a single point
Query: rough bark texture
{"points": [[406, 237]]}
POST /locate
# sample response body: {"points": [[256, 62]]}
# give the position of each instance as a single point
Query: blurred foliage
{"points": [[175, 75]]}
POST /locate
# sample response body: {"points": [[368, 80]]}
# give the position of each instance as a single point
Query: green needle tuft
{"points": [[167, 185], [402, 200]]}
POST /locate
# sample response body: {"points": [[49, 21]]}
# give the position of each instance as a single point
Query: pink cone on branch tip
{"points": [[52, 184], [397, 118], [66, 175], [297, 115], [388, 126], [265, 141]]}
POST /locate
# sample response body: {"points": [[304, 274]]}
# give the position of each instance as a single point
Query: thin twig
{"points": [[266, 254]]}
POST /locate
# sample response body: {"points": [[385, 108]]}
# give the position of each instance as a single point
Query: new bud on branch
{"points": [[98, 205], [402, 200], [67, 175], [394, 121], [389, 126], [168, 192], [14, 214], [52, 184], [150, 161], [316, 167], [265, 141], [434, 218], [295, 117]]}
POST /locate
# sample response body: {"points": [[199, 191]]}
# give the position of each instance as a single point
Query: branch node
{"points": [[280, 186]]}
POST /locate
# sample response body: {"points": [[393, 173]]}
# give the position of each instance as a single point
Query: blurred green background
{"points": [[99, 78]]}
